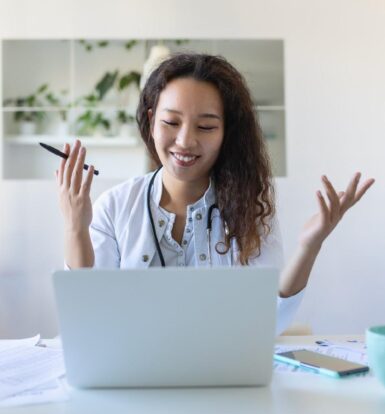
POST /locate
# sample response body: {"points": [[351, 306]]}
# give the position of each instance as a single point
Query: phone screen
{"points": [[320, 361]]}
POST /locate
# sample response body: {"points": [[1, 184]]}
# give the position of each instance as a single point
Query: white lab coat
{"points": [[122, 237]]}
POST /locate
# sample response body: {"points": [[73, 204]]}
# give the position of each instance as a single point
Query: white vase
{"points": [[27, 128], [99, 132]]}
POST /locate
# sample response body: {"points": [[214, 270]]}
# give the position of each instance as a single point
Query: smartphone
{"points": [[324, 364]]}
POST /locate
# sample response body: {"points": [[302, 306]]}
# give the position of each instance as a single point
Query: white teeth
{"points": [[184, 158]]}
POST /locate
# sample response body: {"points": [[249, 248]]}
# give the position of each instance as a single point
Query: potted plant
{"points": [[128, 95], [28, 119], [91, 123], [59, 101]]}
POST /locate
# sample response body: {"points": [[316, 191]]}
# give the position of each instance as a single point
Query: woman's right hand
{"points": [[74, 193]]}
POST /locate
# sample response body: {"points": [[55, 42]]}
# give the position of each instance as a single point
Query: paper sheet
{"points": [[15, 343], [53, 391], [351, 352], [24, 368]]}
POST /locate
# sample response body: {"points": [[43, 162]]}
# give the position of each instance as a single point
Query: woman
{"points": [[196, 118]]}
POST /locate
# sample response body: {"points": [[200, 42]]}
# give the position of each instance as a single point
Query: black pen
{"points": [[61, 154]]}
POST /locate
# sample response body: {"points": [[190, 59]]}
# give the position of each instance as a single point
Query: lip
{"points": [[184, 163]]}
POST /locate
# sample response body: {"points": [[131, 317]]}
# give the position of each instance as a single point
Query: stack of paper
{"points": [[30, 373], [350, 351]]}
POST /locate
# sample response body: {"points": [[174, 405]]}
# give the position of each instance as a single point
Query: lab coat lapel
{"points": [[148, 246]]}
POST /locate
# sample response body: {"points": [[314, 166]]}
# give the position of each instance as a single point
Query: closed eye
{"points": [[170, 123], [207, 128], [204, 128]]}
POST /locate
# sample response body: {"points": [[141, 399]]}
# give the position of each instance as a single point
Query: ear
{"points": [[150, 115]]}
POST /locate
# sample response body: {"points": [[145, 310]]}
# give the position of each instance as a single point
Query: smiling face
{"points": [[188, 129]]}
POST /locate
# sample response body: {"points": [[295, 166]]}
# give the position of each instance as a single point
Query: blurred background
{"points": [[75, 69]]}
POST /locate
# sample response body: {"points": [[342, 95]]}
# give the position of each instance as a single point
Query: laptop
{"points": [[167, 327]]}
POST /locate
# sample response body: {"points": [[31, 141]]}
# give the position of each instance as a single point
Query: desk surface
{"points": [[288, 393]]}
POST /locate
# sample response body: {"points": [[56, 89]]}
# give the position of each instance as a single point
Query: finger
{"points": [[333, 198], [77, 175], [86, 187], [362, 190], [325, 214], [70, 164], [350, 192], [66, 149]]}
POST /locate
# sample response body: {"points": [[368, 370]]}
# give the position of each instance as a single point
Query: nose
{"points": [[186, 138]]}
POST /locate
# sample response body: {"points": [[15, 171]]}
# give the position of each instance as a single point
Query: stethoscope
{"points": [[208, 227]]}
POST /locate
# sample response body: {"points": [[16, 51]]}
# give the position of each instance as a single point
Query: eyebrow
{"points": [[204, 115]]}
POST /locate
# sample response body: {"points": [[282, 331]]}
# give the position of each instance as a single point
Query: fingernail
{"points": [[324, 178]]}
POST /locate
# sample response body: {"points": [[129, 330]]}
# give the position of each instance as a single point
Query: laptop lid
{"points": [[167, 327]]}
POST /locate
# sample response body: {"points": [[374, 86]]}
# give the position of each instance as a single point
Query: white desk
{"points": [[288, 393]]}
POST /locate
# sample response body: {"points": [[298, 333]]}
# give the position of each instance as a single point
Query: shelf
{"points": [[33, 108], [60, 109], [86, 141], [269, 107]]}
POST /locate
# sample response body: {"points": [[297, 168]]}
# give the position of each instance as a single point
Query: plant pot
{"points": [[99, 132], [27, 128]]}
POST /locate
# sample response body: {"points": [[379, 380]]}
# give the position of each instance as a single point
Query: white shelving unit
{"points": [[113, 142], [65, 64]]}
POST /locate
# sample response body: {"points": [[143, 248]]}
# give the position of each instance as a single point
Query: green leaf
{"points": [[131, 43], [30, 100], [42, 88], [128, 78], [52, 99], [21, 101], [85, 117], [18, 116], [121, 117], [39, 116], [89, 100], [106, 83], [181, 41]]}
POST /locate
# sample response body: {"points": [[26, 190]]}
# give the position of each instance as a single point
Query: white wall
{"points": [[335, 106]]}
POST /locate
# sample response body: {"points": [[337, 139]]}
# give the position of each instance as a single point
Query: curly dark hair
{"points": [[242, 172]]}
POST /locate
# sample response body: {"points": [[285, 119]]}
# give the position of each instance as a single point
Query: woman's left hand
{"points": [[323, 223]]}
